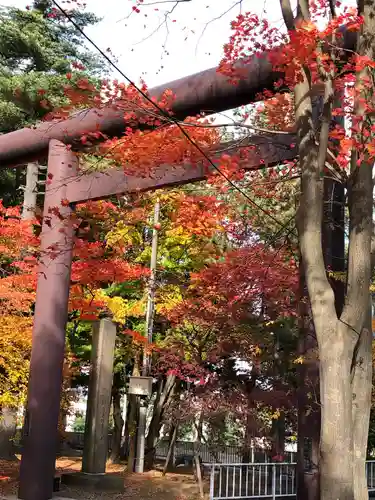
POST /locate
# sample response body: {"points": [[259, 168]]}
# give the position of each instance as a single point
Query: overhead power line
{"points": [[165, 115]]}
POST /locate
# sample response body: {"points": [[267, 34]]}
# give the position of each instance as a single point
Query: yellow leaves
{"points": [[257, 351], [339, 276], [120, 308], [178, 235], [123, 236], [299, 361], [168, 298], [15, 349], [276, 415]]}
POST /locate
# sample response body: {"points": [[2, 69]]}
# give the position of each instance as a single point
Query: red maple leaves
{"points": [[94, 265], [254, 281]]}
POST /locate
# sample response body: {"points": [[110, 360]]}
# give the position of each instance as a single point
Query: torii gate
{"points": [[207, 91]]}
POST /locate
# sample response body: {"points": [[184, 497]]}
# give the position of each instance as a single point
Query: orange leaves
{"points": [[96, 271], [18, 247], [94, 265], [15, 234], [277, 113], [141, 152], [252, 36], [124, 99], [199, 215]]}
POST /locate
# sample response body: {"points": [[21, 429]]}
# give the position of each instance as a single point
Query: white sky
{"points": [[191, 43], [188, 52]]}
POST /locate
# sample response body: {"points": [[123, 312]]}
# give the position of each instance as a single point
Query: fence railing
{"points": [[370, 473], [209, 454], [261, 480], [219, 454]]}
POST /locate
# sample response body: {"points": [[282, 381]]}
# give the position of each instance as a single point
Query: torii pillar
{"points": [[51, 314]]}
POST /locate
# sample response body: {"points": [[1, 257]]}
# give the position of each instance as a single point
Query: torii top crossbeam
{"points": [[207, 91]]}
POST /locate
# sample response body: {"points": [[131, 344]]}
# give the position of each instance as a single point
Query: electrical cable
{"points": [[165, 114]]}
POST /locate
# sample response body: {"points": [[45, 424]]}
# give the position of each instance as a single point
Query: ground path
{"points": [[149, 486]]}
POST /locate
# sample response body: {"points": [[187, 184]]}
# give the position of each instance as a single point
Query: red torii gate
{"points": [[207, 91]]}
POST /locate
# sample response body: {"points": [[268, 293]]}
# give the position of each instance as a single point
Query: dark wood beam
{"points": [[269, 150]]}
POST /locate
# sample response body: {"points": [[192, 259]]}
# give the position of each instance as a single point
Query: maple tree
{"points": [[234, 309]]}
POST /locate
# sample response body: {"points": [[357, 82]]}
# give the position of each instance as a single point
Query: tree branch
{"points": [[310, 214]]}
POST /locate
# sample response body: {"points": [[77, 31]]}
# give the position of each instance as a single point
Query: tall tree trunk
{"points": [[118, 425], [248, 449], [172, 442], [125, 434], [278, 436], [336, 335], [132, 429], [164, 396], [197, 458], [362, 388], [336, 472], [360, 201]]}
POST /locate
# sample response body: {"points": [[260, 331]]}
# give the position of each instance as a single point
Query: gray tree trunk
{"points": [[336, 464], [172, 441], [163, 399], [337, 334], [362, 388], [118, 425]]}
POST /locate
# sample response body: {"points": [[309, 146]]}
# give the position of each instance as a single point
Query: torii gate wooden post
{"points": [[207, 91], [48, 347]]}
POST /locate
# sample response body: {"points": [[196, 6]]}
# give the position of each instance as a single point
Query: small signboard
{"points": [[140, 386]]}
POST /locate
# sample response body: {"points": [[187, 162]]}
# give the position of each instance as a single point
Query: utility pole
{"points": [[151, 290], [140, 454]]}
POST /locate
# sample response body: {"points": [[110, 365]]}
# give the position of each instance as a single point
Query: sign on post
{"points": [[140, 386]]}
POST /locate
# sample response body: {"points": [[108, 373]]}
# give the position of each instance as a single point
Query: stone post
{"points": [[95, 449]]}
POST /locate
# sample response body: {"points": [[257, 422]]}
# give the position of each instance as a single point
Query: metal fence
{"points": [[209, 454], [370, 473], [219, 454], [240, 481], [261, 480]]}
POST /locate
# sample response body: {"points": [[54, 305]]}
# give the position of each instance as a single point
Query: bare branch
{"points": [[235, 124], [162, 23], [288, 15], [162, 1], [238, 2]]}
